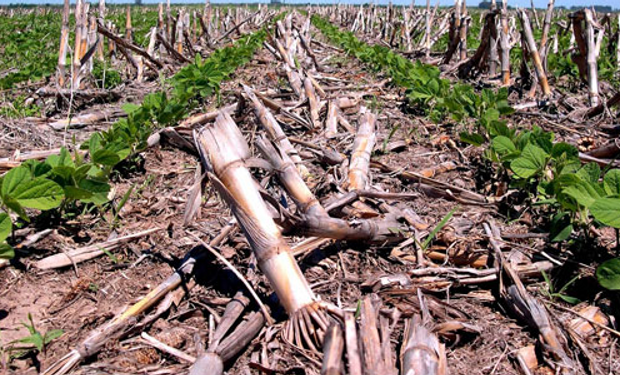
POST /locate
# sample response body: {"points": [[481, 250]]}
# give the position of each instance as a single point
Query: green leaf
{"points": [[472, 138], [16, 207], [94, 186], [98, 198], [569, 299], [590, 172], [607, 211], [532, 160], [561, 227], [130, 107], [611, 182], [608, 274], [439, 226], [14, 178], [72, 192], [52, 335], [503, 145], [584, 193], [6, 226], [563, 148], [39, 193], [105, 157], [6, 251], [62, 159]]}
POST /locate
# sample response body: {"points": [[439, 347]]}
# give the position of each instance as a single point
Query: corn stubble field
{"points": [[301, 190]]}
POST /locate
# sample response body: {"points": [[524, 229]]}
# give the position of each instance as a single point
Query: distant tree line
{"points": [[597, 8]]}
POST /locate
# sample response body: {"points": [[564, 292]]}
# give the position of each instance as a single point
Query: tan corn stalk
{"points": [[100, 47], [591, 60], [421, 352], [545, 31], [331, 123], [533, 50], [64, 45], [98, 338], [362, 150], [618, 45], [463, 32], [313, 102], [223, 151], [128, 27], [273, 129], [504, 44], [79, 23]]}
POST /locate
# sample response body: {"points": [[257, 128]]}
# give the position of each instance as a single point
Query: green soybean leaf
{"points": [[590, 172], [128, 108], [62, 159], [563, 148], [608, 274], [13, 179], [6, 251], [5, 226], [98, 198], [532, 160], [524, 167], [39, 193], [72, 192], [584, 193], [105, 157], [561, 227], [607, 211], [94, 186], [611, 182], [503, 145], [472, 138]]}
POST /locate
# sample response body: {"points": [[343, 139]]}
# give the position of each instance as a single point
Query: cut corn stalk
{"points": [[273, 129], [504, 43], [75, 256], [331, 123], [530, 310], [315, 219], [421, 352], [97, 338], [332, 351], [223, 151], [533, 50], [64, 44], [223, 349], [313, 102], [294, 79], [362, 150]]}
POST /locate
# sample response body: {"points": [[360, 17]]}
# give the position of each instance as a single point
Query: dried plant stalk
{"points": [[223, 150], [128, 27], [421, 352], [274, 130], [316, 221], [64, 45], [362, 150], [331, 123], [98, 338], [591, 60], [79, 26], [313, 102], [332, 351], [545, 31], [533, 50], [504, 44], [530, 310]]}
